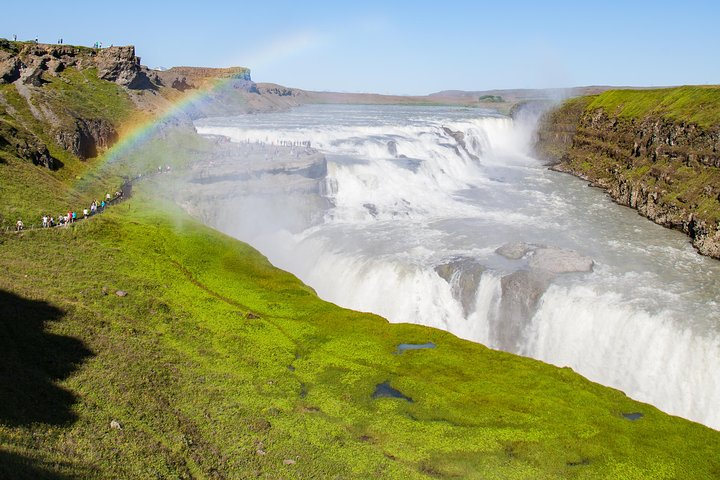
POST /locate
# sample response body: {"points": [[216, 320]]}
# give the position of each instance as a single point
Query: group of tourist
{"points": [[95, 207], [60, 41], [71, 216]]}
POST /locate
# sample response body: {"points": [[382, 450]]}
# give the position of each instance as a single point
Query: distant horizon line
{"points": [[448, 91]]}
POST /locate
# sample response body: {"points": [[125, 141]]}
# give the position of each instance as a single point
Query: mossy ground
{"points": [[215, 355], [691, 104]]}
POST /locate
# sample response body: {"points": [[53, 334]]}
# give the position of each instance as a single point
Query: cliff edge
{"points": [[63, 106], [657, 151]]}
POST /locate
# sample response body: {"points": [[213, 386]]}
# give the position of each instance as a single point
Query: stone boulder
{"points": [[513, 250], [120, 65], [556, 260]]}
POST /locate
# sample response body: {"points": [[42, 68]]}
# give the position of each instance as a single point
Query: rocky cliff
{"points": [[29, 61], [78, 99], [53, 96], [61, 106], [657, 151]]}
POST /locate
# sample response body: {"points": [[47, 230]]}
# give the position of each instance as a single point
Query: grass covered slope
{"points": [[218, 365], [654, 150], [38, 117], [690, 104]]}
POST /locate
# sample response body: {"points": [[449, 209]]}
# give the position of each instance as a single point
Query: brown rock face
{"points": [[87, 137], [115, 64], [667, 170], [186, 78], [26, 146], [120, 65], [9, 69]]}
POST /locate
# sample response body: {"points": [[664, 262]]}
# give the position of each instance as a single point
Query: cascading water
{"points": [[439, 216]]}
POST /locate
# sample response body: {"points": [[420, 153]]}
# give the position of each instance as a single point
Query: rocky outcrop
{"points": [[521, 293], [666, 169], [26, 146], [463, 275], [88, 137], [522, 289], [459, 138], [278, 90], [557, 130], [556, 260], [30, 61], [9, 68], [120, 65], [187, 78]]}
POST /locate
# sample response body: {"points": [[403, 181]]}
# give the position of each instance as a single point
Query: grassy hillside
{"points": [[218, 365], [28, 191]]}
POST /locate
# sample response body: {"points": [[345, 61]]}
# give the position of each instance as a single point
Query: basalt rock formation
{"points": [[668, 168], [88, 137], [120, 65]]}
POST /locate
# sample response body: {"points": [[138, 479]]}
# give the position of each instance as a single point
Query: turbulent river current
{"points": [[442, 217]]}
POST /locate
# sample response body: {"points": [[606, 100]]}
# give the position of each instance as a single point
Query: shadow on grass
{"points": [[32, 360], [18, 467]]}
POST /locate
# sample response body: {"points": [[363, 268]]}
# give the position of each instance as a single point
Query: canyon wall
{"points": [[657, 151]]}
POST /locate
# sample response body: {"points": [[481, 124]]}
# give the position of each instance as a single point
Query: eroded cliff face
{"points": [[28, 61], [667, 169], [88, 137], [77, 98], [39, 112]]}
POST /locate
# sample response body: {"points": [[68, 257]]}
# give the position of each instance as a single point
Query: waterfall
{"points": [[441, 217]]}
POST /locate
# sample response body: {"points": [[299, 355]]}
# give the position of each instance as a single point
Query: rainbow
{"points": [[139, 134], [134, 137]]}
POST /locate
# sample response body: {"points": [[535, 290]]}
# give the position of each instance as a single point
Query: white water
{"points": [[415, 222]]}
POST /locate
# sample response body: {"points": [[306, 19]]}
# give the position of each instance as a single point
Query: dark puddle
{"points": [[413, 346], [384, 390], [633, 416]]}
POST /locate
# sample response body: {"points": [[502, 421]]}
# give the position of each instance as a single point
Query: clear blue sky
{"points": [[401, 47]]}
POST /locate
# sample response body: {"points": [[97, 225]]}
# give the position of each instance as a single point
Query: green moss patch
{"points": [[691, 104]]}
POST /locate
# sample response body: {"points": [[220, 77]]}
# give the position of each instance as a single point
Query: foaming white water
{"points": [[421, 198], [614, 344]]}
